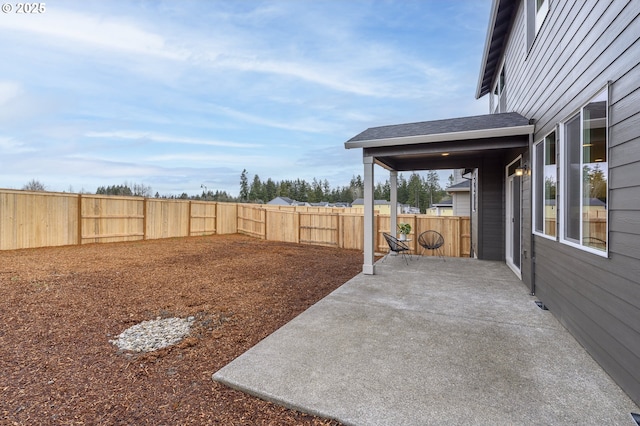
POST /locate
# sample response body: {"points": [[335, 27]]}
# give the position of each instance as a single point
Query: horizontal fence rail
{"points": [[41, 219]]}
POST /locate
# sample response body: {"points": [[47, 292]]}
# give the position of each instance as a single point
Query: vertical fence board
{"points": [[111, 219], [227, 218], [352, 231], [167, 218], [37, 219], [281, 226], [251, 220], [319, 228], [203, 219]]}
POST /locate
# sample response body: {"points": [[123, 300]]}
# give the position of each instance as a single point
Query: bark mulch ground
{"points": [[60, 306]]}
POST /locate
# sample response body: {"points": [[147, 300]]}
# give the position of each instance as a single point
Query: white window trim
{"points": [[495, 107], [535, 188], [562, 175]]}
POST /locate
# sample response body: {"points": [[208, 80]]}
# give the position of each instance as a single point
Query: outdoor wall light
{"points": [[522, 170], [444, 154]]}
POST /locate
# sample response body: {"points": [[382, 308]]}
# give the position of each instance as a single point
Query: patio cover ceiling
{"points": [[442, 144]]}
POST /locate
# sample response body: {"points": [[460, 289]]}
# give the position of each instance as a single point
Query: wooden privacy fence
{"points": [[345, 230], [41, 219]]}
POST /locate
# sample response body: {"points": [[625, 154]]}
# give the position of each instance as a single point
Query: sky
{"points": [[181, 95]]}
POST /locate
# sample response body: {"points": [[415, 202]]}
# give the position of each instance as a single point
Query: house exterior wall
{"points": [[378, 208], [461, 206], [582, 46], [440, 211], [489, 237]]}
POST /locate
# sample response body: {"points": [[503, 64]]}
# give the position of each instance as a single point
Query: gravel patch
{"points": [[152, 335]]}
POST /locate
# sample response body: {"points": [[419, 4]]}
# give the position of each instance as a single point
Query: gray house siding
{"points": [[461, 205], [490, 241], [581, 47]]}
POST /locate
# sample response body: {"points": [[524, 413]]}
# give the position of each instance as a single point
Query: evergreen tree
{"points": [[414, 190], [244, 186], [382, 191], [256, 193], [317, 193], [433, 187], [357, 187], [326, 190], [403, 190], [270, 190]]}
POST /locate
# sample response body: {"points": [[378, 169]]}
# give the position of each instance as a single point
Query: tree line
{"points": [[416, 190]]}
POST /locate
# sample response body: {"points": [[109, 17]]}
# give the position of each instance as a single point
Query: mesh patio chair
{"points": [[396, 246], [431, 240]]}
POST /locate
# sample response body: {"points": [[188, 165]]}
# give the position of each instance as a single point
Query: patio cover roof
{"points": [[440, 144]]}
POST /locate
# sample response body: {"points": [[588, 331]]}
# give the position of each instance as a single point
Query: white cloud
{"points": [[309, 124], [9, 90], [9, 145], [161, 138], [116, 34], [244, 161]]}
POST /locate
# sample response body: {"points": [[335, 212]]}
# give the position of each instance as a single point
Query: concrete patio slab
{"points": [[434, 342]]}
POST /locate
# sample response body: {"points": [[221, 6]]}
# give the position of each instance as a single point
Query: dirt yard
{"points": [[60, 306]]}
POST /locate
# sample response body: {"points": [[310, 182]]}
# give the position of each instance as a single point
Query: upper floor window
{"points": [[544, 186], [585, 173], [542, 7], [499, 99], [536, 12]]}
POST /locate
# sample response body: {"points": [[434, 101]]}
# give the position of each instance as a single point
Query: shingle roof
{"points": [[360, 201], [437, 127], [461, 186]]}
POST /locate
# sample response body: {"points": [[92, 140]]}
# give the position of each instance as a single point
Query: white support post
{"points": [[368, 268], [393, 183]]}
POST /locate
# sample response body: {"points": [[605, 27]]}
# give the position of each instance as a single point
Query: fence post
{"points": [[296, 223], [144, 218], [458, 238], [79, 219], [376, 230], [338, 229], [189, 221]]}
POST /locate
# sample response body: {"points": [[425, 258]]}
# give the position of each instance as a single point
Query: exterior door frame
{"points": [[513, 217]]}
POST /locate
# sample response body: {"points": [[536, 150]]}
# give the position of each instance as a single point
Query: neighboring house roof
{"points": [[360, 202], [452, 129], [281, 201], [501, 18], [464, 186], [447, 202]]}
